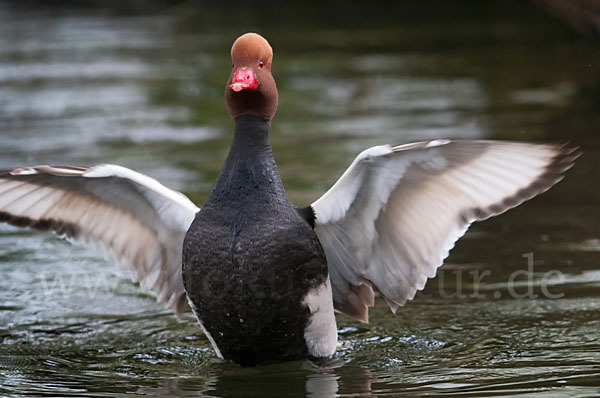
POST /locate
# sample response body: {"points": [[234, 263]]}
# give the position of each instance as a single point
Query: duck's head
{"points": [[251, 88]]}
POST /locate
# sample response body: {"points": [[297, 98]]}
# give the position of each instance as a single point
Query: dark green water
{"points": [[143, 87]]}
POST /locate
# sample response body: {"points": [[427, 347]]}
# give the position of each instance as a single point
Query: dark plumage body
{"points": [[249, 258]]}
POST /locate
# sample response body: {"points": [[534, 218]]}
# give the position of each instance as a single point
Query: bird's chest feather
{"points": [[253, 253]]}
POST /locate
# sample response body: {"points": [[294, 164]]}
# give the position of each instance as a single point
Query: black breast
{"points": [[249, 258]]}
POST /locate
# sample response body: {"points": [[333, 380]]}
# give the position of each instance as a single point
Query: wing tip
{"points": [[60, 228], [564, 159]]}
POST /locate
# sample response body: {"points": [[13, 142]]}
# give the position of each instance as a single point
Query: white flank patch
{"points": [[321, 332], [210, 338]]}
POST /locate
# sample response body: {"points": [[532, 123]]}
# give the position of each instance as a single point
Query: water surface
{"points": [[143, 87]]}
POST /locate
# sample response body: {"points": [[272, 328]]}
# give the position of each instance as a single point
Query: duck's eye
{"points": [[261, 64]]}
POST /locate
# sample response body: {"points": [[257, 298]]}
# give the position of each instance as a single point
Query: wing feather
{"points": [[129, 216], [396, 212]]}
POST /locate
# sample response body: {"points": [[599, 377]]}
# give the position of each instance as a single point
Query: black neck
{"points": [[251, 133], [250, 173]]}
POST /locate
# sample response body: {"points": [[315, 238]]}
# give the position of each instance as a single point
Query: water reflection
{"points": [[307, 379]]}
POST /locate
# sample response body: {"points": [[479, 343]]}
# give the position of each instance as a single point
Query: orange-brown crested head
{"points": [[251, 88]]}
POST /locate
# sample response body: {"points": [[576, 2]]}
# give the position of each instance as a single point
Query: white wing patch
{"points": [[128, 215], [396, 212]]}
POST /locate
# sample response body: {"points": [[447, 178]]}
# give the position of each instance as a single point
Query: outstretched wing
{"points": [[128, 215], [396, 212]]}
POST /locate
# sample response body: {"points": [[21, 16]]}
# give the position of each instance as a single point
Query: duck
{"points": [[263, 277]]}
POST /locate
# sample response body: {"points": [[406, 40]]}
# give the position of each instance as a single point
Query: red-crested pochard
{"points": [[262, 276]]}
